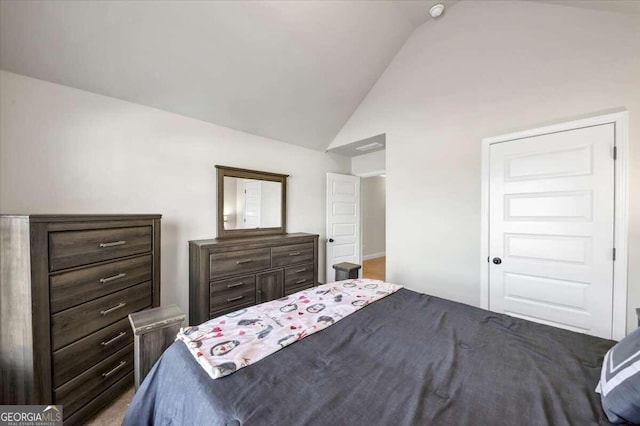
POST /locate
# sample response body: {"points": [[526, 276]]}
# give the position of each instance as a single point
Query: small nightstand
{"points": [[346, 271], [154, 330]]}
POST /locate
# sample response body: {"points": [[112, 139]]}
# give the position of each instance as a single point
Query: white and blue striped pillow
{"points": [[619, 385]]}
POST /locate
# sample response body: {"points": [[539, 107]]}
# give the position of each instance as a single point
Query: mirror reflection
{"points": [[251, 204]]}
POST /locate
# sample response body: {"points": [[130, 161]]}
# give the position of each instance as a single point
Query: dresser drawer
{"points": [[99, 402], [291, 254], [296, 276], [233, 298], [77, 357], [83, 388], [233, 284], [73, 288], [70, 325], [238, 262], [74, 248]]}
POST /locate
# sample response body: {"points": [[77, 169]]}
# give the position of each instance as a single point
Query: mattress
{"points": [[407, 359]]}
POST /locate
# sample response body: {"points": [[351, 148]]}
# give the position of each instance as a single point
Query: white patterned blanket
{"points": [[227, 343]]}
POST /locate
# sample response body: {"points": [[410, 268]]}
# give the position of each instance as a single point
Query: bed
{"points": [[406, 359]]}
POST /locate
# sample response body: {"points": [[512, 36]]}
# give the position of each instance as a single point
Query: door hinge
{"points": [[614, 254], [615, 153]]}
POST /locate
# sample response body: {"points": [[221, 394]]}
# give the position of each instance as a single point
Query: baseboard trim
{"points": [[373, 256]]}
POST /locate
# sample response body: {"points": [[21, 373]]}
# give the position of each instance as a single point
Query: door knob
{"points": [[330, 240], [497, 260]]}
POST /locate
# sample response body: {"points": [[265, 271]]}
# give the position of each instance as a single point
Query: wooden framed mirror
{"points": [[251, 202]]}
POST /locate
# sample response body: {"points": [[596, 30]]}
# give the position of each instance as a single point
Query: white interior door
{"points": [[343, 221], [551, 223], [252, 204]]}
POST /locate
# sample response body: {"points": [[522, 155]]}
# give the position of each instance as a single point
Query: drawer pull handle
{"points": [[242, 262], [113, 244], [115, 308], [113, 278], [300, 281], [294, 253], [113, 370], [233, 299], [299, 271], [234, 285], [110, 341]]}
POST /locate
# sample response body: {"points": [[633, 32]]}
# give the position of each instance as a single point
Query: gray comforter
{"points": [[404, 360]]}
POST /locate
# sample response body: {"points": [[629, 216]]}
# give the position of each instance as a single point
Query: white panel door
{"points": [[551, 229], [252, 204], [343, 221]]}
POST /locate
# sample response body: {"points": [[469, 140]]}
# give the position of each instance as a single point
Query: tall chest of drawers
{"points": [[68, 285], [233, 273]]}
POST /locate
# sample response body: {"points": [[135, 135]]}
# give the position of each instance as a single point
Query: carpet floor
{"points": [[113, 414]]}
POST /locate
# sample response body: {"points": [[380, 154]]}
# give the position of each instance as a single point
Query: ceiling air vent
{"points": [[369, 146]]}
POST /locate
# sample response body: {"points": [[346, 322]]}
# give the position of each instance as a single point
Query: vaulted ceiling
{"points": [[287, 70], [292, 71]]}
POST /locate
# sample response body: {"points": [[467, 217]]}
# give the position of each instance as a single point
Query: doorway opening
{"points": [[373, 196], [356, 210]]}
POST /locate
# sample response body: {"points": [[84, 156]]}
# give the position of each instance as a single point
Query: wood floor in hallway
{"points": [[374, 268]]}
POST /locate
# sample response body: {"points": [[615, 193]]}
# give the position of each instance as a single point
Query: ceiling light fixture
{"points": [[436, 10]]}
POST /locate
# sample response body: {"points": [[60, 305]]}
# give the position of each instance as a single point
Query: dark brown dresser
{"points": [[68, 283], [228, 274]]}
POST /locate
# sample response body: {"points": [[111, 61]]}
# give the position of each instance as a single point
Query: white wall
{"points": [[64, 150], [368, 164], [372, 190], [270, 204], [240, 203], [485, 69], [230, 198]]}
